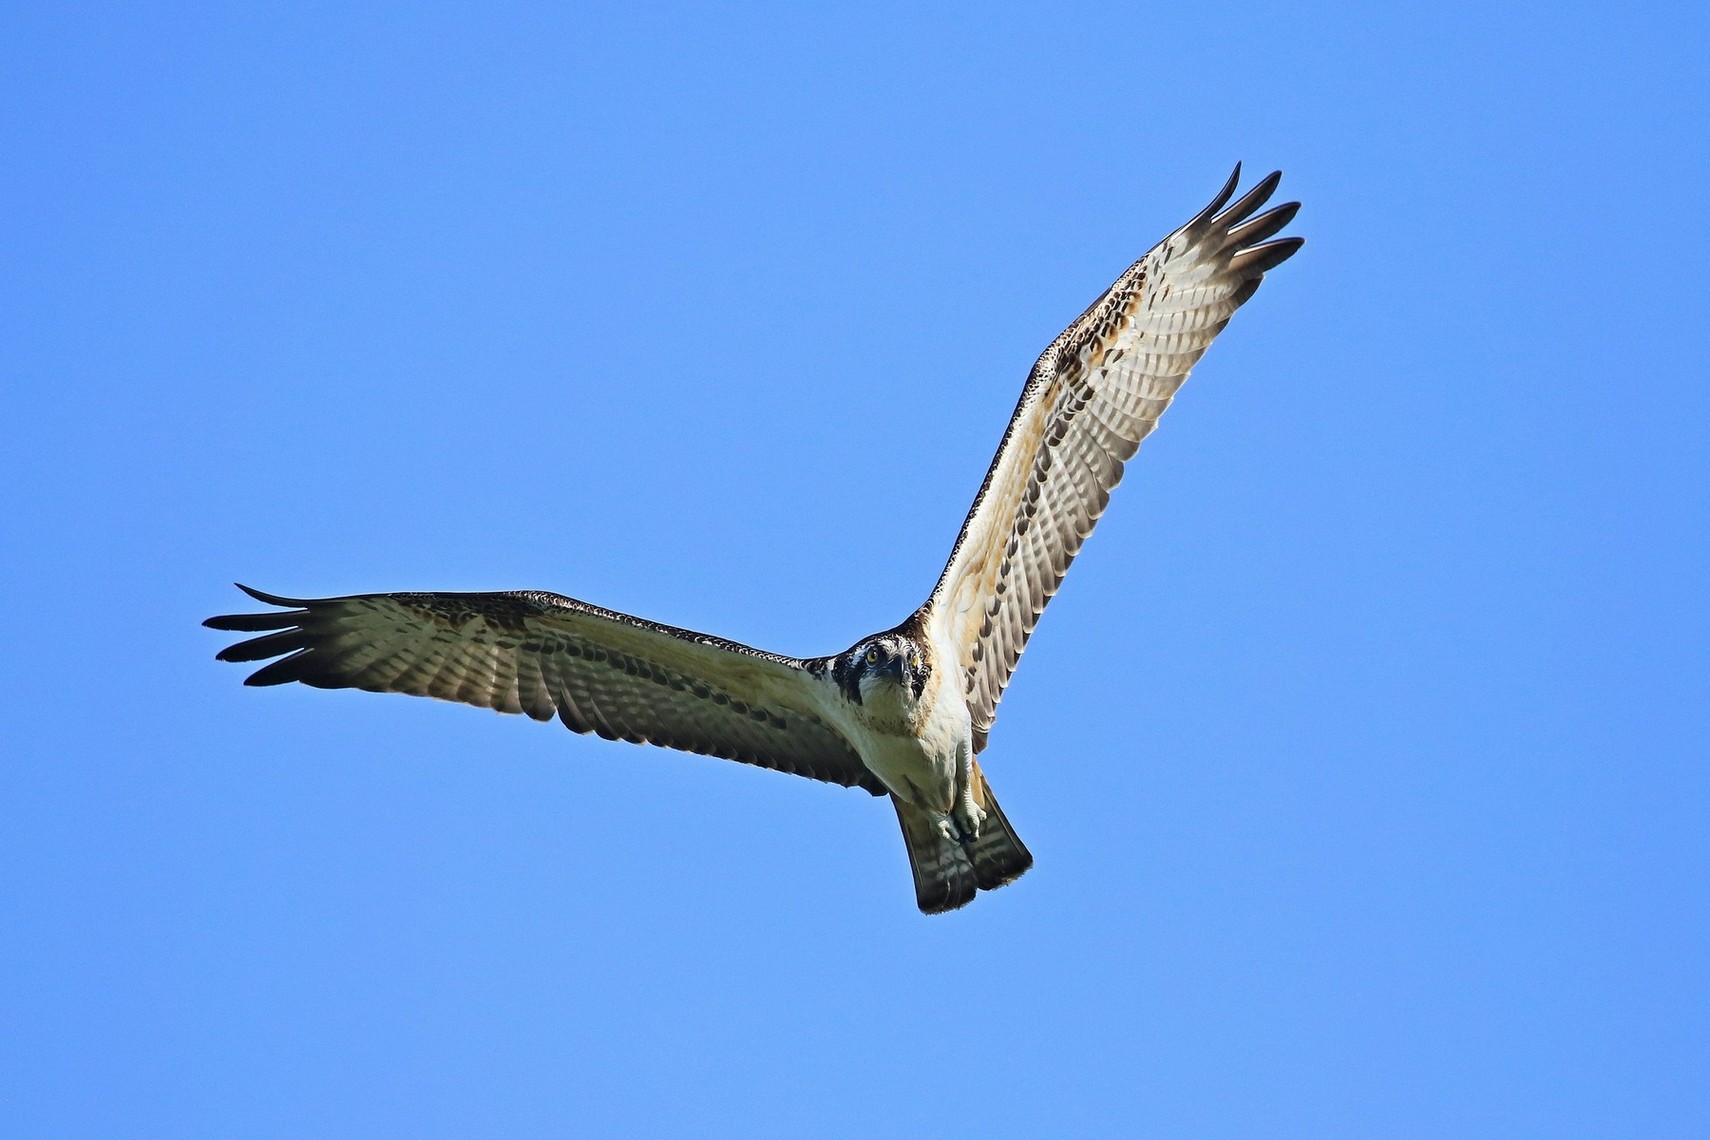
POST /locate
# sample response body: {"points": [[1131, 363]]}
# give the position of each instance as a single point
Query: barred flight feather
{"points": [[1090, 400]]}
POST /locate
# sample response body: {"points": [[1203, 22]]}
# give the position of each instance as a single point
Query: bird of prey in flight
{"points": [[901, 713]]}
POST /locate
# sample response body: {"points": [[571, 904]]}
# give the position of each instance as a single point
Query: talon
{"points": [[969, 817]]}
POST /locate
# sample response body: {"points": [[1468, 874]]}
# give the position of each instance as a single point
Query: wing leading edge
{"points": [[1091, 398], [545, 655]]}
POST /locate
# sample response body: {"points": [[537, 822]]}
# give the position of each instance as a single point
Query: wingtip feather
{"points": [[270, 599], [1216, 203], [1255, 230], [265, 646], [259, 623], [1250, 201], [281, 672], [1264, 258]]}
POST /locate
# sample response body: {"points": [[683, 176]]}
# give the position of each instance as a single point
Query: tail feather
{"points": [[948, 873], [943, 874], [998, 855]]}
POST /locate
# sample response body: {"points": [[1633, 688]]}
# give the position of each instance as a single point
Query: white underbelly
{"points": [[922, 769], [922, 776], [917, 748]]}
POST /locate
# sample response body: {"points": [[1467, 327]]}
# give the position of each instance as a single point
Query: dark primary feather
{"points": [[1091, 398], [548, 656]]}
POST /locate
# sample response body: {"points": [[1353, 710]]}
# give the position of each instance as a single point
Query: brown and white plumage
{"points": [[549, 656], [902, 712], [1090, 400]]}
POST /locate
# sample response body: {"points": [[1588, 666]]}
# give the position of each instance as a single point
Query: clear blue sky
{"points": [[1365, 755]]}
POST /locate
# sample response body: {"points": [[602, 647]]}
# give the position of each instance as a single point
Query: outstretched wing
{"points": [[1089, 401], [547, 655]]}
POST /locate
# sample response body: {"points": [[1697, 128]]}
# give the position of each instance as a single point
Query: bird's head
{"points": [[890, 665]]}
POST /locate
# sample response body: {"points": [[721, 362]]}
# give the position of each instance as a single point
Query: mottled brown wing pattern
{"points": [[550, 656], [1091, 398]]}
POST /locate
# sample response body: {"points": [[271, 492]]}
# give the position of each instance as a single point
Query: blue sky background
{"points": [[1364, 754]]}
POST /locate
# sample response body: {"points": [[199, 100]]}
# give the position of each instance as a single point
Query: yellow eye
{"points": [[872, 656]]}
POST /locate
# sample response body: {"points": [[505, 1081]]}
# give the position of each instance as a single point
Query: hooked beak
{"points": [[896, 667]]}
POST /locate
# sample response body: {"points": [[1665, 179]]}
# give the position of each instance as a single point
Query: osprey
{"points": [[902, 713]]}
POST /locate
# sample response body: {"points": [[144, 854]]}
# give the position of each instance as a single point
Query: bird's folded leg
{"points": [[968, 814]]}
